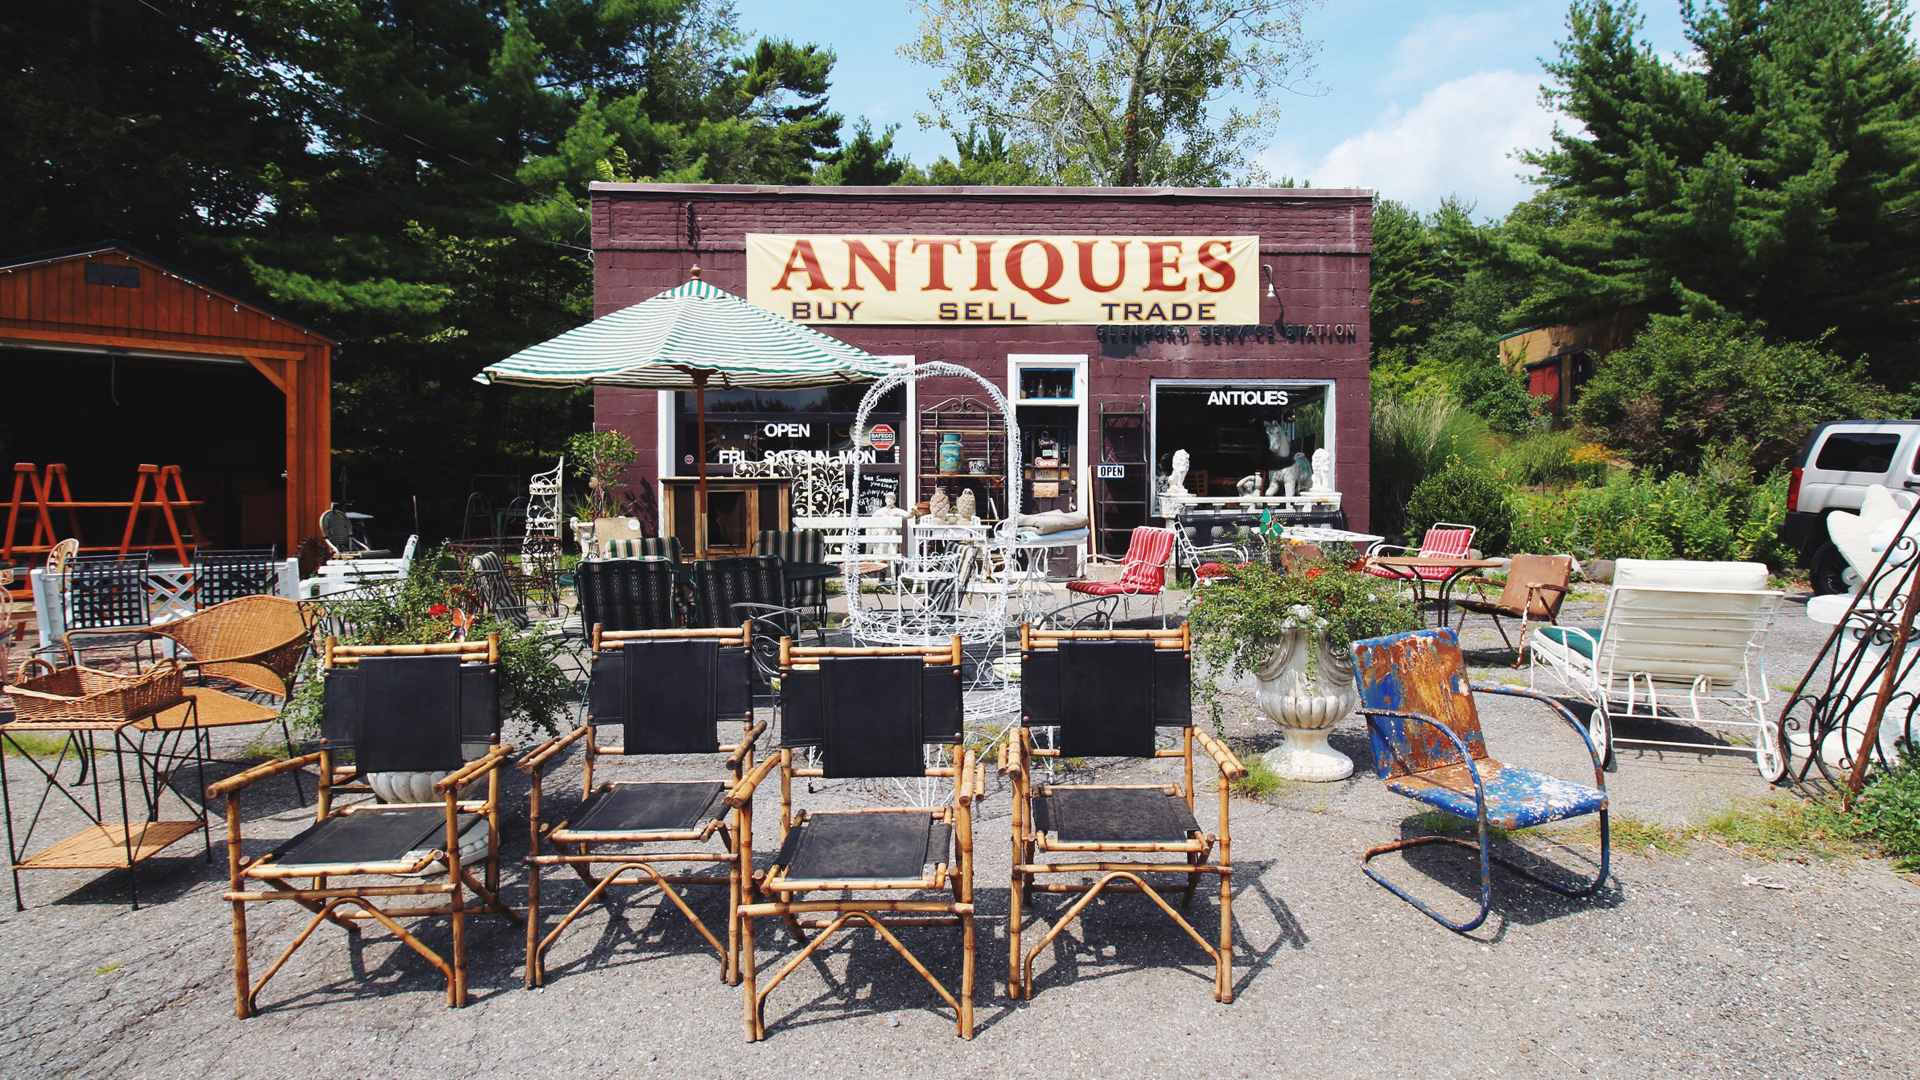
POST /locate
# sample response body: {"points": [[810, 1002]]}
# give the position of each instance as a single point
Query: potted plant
{"points": [[1293, 632], [603, 458], [423, 608]]}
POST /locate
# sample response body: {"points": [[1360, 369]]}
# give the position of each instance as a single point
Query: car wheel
{"points": [[1828, 570]]}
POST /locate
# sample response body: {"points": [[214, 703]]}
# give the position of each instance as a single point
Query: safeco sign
{"points": [[930, 280]]}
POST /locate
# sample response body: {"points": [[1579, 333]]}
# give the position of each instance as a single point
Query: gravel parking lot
{"points": [[1694, 962]]}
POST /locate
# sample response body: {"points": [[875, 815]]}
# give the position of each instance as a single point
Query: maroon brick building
{"points": [[1103, 400]]}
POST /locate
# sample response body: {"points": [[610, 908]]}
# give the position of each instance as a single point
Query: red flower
{"points": [[438, 610], [1314, 573]]}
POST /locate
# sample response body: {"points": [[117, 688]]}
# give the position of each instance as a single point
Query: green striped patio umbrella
{"points": [[687, 339]]}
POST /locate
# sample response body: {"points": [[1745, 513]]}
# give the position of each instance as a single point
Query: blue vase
{"points": [[952, 455]]}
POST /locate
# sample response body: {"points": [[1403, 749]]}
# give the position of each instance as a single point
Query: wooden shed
{"points": [[112, 359]]}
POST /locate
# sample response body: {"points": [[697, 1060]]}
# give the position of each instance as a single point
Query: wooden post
{"points": [[700, 454]]}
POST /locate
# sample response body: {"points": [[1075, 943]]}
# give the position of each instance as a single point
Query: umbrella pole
{"points": [[700, 499]]}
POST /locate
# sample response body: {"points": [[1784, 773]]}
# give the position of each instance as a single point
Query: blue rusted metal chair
{"points": [[1427, 746]]}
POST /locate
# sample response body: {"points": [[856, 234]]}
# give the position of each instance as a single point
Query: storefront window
{"points": [[747, 425], [1232, 431]]}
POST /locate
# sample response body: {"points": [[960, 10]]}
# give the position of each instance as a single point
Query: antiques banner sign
{"points": [[891, 280]]}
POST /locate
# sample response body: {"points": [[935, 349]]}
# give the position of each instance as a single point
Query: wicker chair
{"points": [[254, 641]]}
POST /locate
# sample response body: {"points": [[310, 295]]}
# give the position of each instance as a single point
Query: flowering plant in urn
{"points": [[1293, 632]]}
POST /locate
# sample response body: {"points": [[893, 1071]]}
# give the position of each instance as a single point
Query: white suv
{"points": [[1839, 461]]}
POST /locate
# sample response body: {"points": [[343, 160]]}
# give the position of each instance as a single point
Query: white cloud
{"points": [[1437, 42], [1460, 139]]}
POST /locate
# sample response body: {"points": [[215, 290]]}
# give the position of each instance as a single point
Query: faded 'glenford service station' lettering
{"points": [[914, 279]]}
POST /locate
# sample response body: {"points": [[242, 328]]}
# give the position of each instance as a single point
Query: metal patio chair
{"points": [[667, 692], [627, 594], [1107, 694], [219, 576], [1534, 588], [868, 713], [404, 708], [1428, 747]]}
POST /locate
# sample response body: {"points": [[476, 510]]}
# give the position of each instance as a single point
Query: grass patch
{"points": [[1261, 782], [34, 744], [1784, 827], [1436, 822], [108, 969]]}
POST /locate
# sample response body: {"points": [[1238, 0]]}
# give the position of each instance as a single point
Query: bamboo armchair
{"points": [[667, 691], [403, 704], [1107, 692], [869, 712]]}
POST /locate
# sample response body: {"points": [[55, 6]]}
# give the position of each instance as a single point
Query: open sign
{"points": [[788, 431]]}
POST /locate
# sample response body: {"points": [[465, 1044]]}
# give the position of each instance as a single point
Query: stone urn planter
{"points": [[1306, 687]]}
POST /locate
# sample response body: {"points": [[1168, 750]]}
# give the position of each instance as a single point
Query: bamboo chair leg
{"points": [[1016, 987], [457, 984], [1225, 993], [242, 978], [747, 978], [536, 970], [966, 975]]}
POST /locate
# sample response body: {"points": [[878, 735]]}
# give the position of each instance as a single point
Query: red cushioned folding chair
{"points": [[1445, 538], [1143, 572]]}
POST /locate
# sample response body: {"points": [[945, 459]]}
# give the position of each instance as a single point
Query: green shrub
{"points": [[1685, 386], [1468, 494], [1492, 391], [1889, 809], [1634, 516], [1553, 457], [1413, 438]]}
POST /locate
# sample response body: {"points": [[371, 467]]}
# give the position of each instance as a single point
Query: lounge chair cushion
{"points": [[1583, 641]]}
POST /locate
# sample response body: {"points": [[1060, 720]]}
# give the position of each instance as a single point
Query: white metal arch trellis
{"points": [[932, 369]]}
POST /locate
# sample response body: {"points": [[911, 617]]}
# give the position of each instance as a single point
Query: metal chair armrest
{"points": [[1599, 775], [1479, 788]]}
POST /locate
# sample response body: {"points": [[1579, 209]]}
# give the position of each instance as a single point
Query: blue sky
{"points": [[1416, 99]]}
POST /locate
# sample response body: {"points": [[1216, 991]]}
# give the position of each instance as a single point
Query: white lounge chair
{"points": [[1680, 642]]}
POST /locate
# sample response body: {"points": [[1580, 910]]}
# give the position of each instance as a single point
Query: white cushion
{"points": [[1676, 619]]}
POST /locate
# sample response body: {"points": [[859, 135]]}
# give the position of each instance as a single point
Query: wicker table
{"points": [[153, 751]]}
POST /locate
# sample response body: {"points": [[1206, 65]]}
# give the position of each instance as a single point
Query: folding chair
{"points": [[401, 708], [219, 576], [721, 586], [870, 713], [1427, 746], [666, 691], [1444, 539], [627, 594], [1143, 571], [1532, 592], [1107, 693]]}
